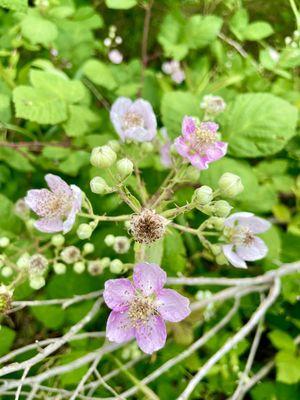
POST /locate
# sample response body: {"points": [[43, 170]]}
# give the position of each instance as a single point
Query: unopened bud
{"points": [[216, 249], [217, 223], [99, 186], [116, 266], [4, 241], [109, 240], [37, 265], [57, 240], [88, 248], [23, 261], [95, 267], [124, 167], [222, 208], [192, 174], [115, 145], [59, 268], [203, 195], [121, 244], [221, 259], [37, 282], [105, 261], [79, 267], [103, 157], [70, 254], [230, 185], [147, 147], [84, 231], [7, 272]]}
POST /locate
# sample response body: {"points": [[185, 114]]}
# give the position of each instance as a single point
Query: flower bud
{"points": [[147, 147], [103, 157], [124, 167], [192, 174], [121, 244], [99, 186], [23, 261], [109, 240], [37, 265], [216, 249], [84, 231], [105, 261], [222, 208], [115, 145], [57, 240], [4, 241], [79, 267], [70, 254], [203, 195], [59, 268], [116, 266], [7, 272], [230, 185], [88, 248], [37, 282], [221, 259], [217, 223], [5, 299], [95, 267]]}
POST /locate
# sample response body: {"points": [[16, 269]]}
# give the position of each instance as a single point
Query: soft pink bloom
{"points": [[139, 308], [244, 245], [133, 120], [173, 68], [199, 142], [115, 56], [57, 207]]}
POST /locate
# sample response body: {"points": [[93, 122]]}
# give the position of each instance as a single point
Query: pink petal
{"points": [[255, 251], [172, 306], [118, 293], [37, 198], [58, 185], [49, 225], [188, 125], [151, 336], [210, 126], [232, 257], [149, 278], [199, 162], [119, 328], [182, 147], [216, 151]]}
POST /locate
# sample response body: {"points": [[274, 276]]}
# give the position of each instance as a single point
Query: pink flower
{"points": [[133, 120], [244, 245], [57, 207], [173, 68], [115, 56], [199, 142], [140, 308]]}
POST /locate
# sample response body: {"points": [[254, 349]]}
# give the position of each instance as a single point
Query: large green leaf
{"points": [[79, 120], [8, 220], [99, 73], [38, 30], [17, 5], [5, 111], [288, 367], [15, 159], [258, 124], [174, 256], [200, 30]]}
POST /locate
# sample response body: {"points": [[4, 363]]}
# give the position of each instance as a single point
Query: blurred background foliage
{"points": [[56, 87]]}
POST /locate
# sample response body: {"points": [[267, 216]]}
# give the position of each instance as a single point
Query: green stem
{"points": [[99, 218]]}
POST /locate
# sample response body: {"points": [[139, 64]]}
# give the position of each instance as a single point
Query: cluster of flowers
{"points": [[111, 42], [174, 69], [139, 308]]}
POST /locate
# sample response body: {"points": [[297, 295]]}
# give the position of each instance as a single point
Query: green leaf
{"points": [[174, 257], [170, 37], [38, 30], [39, 105], [120, 4], [79, 121], [282, 341], [15, 159], [200, 30], [154, 252], [56, 153], [5, 111], [174, 106], [16, 5], [100, 74], [74, 162], [51, 317], [7, 337], [8, 220], [73, 377], [258, 124], [288, 367], [258, 30]]}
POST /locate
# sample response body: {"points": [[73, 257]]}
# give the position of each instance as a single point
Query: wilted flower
{"points": [[133, 120], [240, 228], [115, 56], [57, 207], [121, 244], [213, 105], [70, 254], [95, 267], [173, 68], [199, 142], [140, 308], [147, 227]]}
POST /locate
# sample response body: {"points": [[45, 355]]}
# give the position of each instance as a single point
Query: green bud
{"points": [[221, 259], [124, 167], [216, 249], [4, 241], [99, 186], [103, 157], [203, 195], [109, 240], [70, 254], [79, 267], [115, 145], [84, 231], [23, 261], [217, 223], [88, 248], [105, 261], [222, 208], [57, 240], [116, 266], [192, 174], [59, 268], [37, 282], [7, 272], [147, 147], [230, 185]]}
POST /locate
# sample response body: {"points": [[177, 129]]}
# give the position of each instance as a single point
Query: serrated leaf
{"points": [[74, 162], [258, 124], [200, 30], [100, 74], [38, 30], [39, 105], [5, 111], [16, 5], [15, 159], [79, 120]]}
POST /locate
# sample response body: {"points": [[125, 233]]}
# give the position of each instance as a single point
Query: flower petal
{"points": [[172, 306], [255, 224], [58, 185], [255, 251], [118, 109], [151, 336], [149, 278], [36, 199], [119, 328], [144, 108], [232, 257], [49, 225], [230, 221], [118, 293], [76, 206], [188, 126]]}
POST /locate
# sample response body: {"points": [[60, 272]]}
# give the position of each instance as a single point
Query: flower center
{"points": [[56, 206], [202, 139], [242, 236], [147, 227], [132, 120], [140, 310]]}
